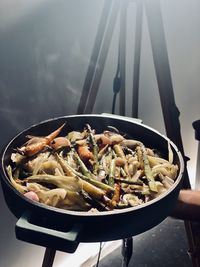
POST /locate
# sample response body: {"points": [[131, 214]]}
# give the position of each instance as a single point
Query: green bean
{"points": [[128, 181], [111, 173], [148, 171], [81, 164], [98, 184], [93, 141]]}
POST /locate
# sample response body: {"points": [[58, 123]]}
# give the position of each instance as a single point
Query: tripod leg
{"points": [[122, 56], [162, 69], [120, 76], [94, 55], [127, 251], [137, 53], [170, 111], [49, 257], [102, 58]]}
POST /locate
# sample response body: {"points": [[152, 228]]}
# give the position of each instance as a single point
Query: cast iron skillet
{"points": [[64, 230]]}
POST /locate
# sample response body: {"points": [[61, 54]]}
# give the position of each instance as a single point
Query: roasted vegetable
{"points": [[90, 171]]}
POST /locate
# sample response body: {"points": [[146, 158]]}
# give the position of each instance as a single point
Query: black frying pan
{"points": [[64, 230]]}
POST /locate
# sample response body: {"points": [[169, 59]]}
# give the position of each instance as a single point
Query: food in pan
{"points": [[89, 171]]}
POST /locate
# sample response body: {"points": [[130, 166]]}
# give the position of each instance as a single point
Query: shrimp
{"points": [[60, 142], [109, 138], [34, 148]]}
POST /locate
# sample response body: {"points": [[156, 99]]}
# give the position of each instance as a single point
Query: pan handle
{"points": [[27, 231]]}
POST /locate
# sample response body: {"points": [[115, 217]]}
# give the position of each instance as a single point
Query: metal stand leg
{"points": [[127, 251], [94, 56], [49, 257], [162, 69], [137, 53], [170, 111], [122, 57], [99, 54]]}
